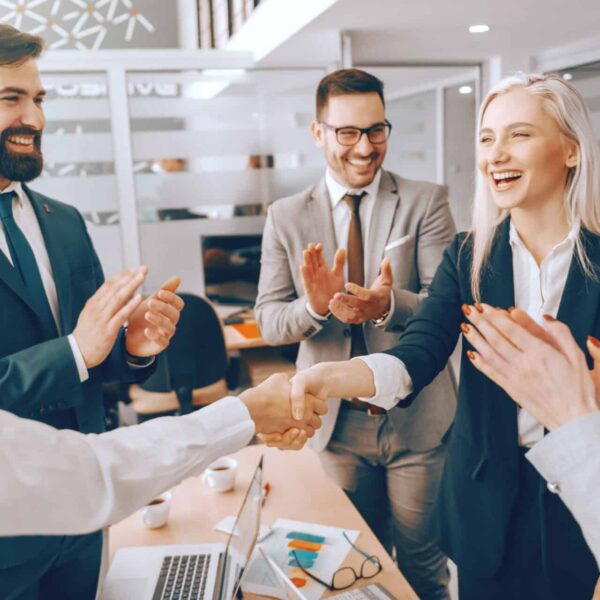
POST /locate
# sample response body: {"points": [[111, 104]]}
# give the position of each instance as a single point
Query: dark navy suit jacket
{"points": [[480, 480], [39, 377]]}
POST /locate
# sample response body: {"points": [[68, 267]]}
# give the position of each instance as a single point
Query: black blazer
{"points": [[39, 377], [480, 479]]}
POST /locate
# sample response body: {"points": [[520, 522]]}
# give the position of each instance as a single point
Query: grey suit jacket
{"points": [[568, 458], [412, 225]]}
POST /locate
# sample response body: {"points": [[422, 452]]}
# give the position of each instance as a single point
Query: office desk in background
{"points": [[299, 490], [260, 360]]}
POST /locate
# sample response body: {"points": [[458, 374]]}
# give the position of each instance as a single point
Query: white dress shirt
{"points": [[538, 290], [568, 458], [341, 215], [64, 482], [27, 222]]}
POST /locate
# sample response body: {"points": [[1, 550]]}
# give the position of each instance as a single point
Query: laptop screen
{"points": [[243, 539]]}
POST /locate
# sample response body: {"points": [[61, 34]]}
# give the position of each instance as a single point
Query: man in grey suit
{"points": [[390, 233]]}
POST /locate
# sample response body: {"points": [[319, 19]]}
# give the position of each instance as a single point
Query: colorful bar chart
{"points": [[304, 550]]}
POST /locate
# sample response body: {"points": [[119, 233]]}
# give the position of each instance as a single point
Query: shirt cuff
{"points": [[79, 361], [230, 421], [311, 311], [385, 322], [392, 381]]}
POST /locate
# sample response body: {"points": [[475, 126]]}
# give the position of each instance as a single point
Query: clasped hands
{"points": [[324, 288], [285, 416], [151, 321]]}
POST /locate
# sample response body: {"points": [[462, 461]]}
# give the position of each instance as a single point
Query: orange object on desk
{"points": [[248, 330], [302, 545]]}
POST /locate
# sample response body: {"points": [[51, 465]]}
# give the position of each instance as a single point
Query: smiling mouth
{"points": [[361, 163], [21, 142], [506, 179]]}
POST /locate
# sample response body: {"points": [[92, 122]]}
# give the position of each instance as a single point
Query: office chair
{"points": [[191, 372]]}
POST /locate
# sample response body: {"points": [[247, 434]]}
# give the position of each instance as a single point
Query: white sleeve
{"points": [[569, 460], [392, 381], [91, 481], [79, 361]]}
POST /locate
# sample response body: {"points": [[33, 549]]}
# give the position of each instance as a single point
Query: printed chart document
{"points": [[321, 550]]}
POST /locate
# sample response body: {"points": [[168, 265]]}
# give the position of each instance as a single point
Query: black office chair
{"points": [[192, 371]]}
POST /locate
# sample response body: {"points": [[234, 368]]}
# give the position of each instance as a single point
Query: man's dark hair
{"points": [[346, 81], [17, 46]]}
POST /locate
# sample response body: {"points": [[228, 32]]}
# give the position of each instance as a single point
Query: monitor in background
{"points": [[231, 268]]}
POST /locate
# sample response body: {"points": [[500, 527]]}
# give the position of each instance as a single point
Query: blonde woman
{"points": [[534, 244]]}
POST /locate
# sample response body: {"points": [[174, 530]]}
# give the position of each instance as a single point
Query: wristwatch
{"points": [[381, 318]]}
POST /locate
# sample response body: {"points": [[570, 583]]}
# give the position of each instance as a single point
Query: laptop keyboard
{"points": [[182, 577]]}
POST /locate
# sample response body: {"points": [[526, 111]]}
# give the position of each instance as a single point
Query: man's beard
{"points": [[21, 167]]}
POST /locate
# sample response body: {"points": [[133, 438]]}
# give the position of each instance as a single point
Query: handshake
{"points": [[285, 414]]}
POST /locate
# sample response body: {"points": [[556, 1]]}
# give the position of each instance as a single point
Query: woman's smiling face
{"points": [[521, 153]]}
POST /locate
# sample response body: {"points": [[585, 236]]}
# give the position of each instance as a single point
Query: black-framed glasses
{"points": [[346, 576], [348, 136]]}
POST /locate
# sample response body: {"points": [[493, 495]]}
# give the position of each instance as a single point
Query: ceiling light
{"points": [[479, 28], [465, 89], [567, 76]]}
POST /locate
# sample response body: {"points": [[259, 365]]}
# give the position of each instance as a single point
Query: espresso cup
{"points": [[220, 475], [156, 512]]}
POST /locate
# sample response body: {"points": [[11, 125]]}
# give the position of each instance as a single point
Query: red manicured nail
{"points": [[465, 328], [594, 341], [471, 355], [510, 309], [478, 307], [549, 318], [466, 310]]}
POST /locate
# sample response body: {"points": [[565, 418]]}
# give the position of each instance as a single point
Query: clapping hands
{"points": [[541, 368]]}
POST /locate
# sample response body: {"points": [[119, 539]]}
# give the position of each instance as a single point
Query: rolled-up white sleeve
{"points": [[569, 460], [64, 482], [392, 381]]}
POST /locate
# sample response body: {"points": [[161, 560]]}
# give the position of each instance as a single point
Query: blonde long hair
{"points": [[582, 192]]}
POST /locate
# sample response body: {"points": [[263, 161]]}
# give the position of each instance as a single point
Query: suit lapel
{"points": [[322, 221], [581, 297], [11, 277], [52, 233], [497, 289], [382, 220], [497, 283]]}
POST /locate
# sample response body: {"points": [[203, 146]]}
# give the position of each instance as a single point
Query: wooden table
{"points": [[195, 510]]}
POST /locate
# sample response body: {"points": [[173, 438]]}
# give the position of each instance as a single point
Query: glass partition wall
{"points": [[209, 159], [159, 157]]}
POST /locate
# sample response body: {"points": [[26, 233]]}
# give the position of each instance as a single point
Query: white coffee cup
{"points": [[156, 513], [220, 475]]}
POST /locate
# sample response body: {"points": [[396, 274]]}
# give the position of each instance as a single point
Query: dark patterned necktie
{"points": [[24, 261]]}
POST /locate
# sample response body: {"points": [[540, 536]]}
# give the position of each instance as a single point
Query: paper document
{"points": [[321, 550]]}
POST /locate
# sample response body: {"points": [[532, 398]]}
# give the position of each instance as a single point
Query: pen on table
{"points": [[265, 492]]}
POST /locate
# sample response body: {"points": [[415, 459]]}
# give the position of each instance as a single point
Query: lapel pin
{"points": [[47, 209]]}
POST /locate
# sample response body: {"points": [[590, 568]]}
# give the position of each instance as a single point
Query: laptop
{"points": [[189, 572], [373, 591]]}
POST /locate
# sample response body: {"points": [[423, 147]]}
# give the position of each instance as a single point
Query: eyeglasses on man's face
{"points": [[346, 576], [349, 136]]}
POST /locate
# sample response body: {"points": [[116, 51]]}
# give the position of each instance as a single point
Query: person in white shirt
{"points": [[534, 244], [547, 374], [62, 482]]}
